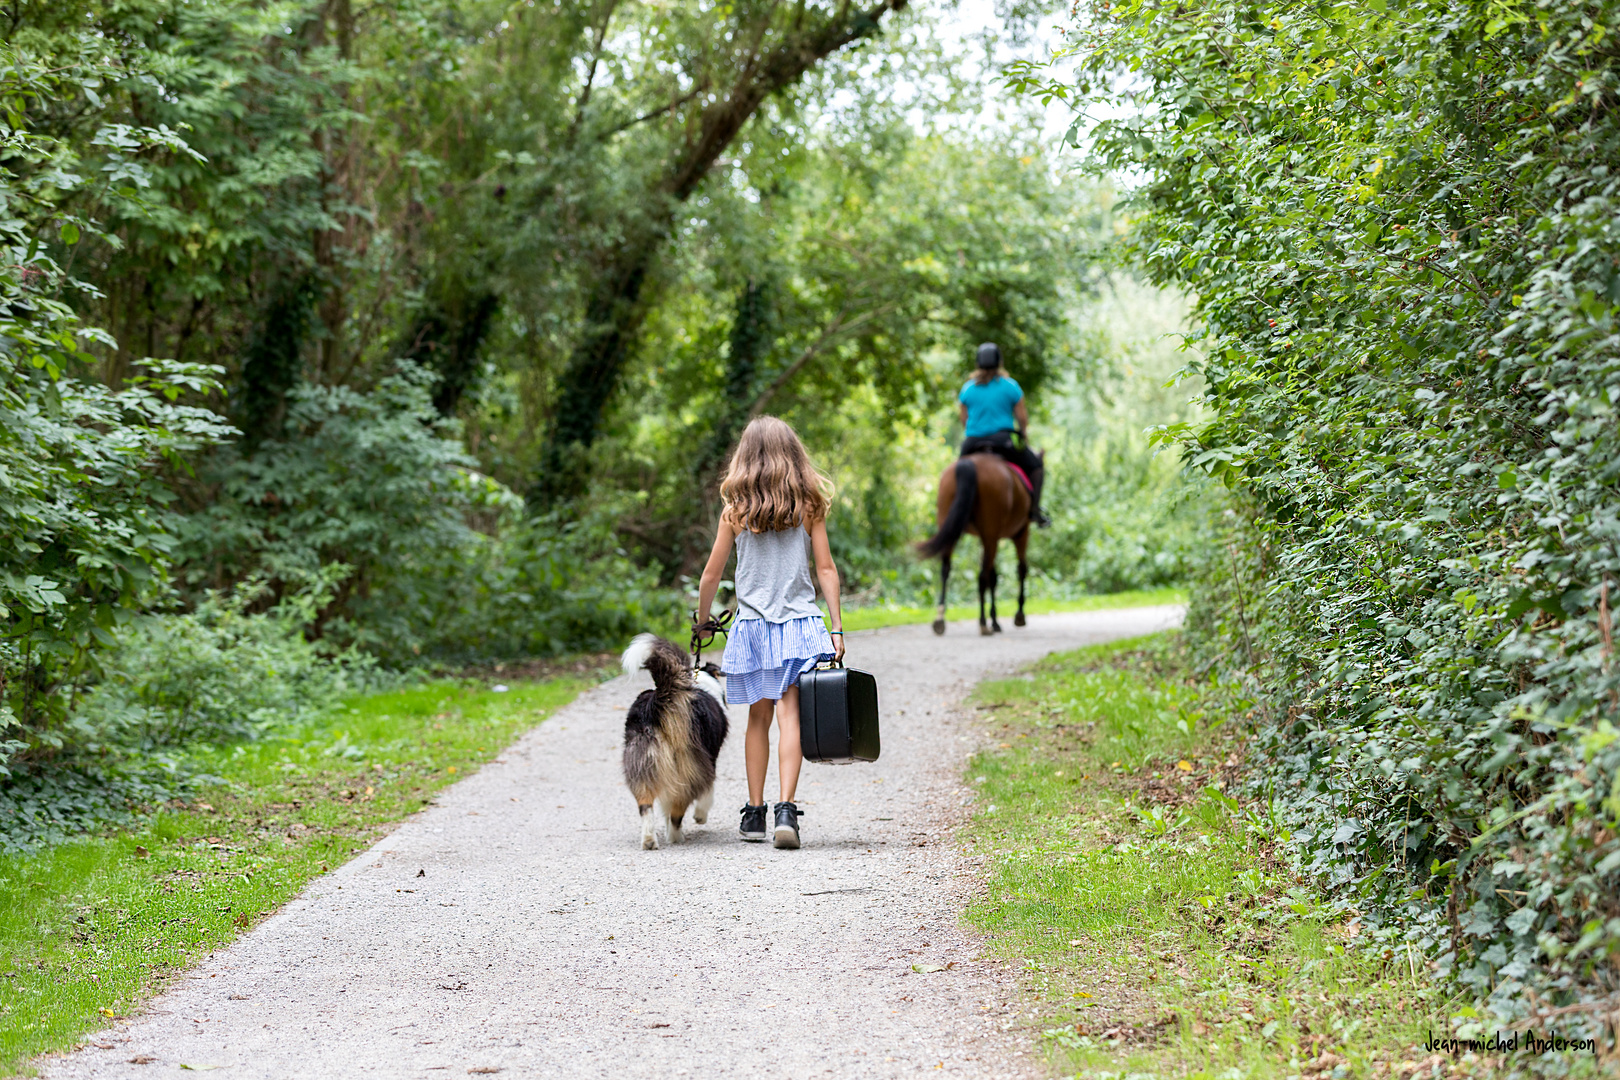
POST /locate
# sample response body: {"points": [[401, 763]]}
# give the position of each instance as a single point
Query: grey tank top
{"points": [[773, 576]]}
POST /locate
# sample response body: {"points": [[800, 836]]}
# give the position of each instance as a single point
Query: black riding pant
{"points": [[1002, 443]]}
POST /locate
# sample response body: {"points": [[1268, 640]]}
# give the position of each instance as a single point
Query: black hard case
{"points": [[838, 715]]}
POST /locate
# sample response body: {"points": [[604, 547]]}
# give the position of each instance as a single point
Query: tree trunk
{"points": [[447, 337]]}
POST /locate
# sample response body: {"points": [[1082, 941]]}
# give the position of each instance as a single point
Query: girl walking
{"points": [[776, 516]]}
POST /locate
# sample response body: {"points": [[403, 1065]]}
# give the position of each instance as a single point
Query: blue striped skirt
{"points": [[763, 659]]}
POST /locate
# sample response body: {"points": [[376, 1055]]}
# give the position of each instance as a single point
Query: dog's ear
{"points": [[711, 668]]}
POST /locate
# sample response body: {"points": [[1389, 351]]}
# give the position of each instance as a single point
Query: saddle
{"points": [[1017, 469]]}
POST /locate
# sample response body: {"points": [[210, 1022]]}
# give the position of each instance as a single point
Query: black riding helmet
{"points": [[989, 355]]}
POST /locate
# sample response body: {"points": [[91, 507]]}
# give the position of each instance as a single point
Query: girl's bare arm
{"points": [[1021, 414], [827, 575], [714, 569]]}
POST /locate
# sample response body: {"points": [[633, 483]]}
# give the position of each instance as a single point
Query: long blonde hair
{"points": [[771, 483]]}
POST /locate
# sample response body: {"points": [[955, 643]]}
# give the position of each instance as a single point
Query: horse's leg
{"points": [[995, 625], [987, 584], [984, 627], [944, 584], [1021, 542]]}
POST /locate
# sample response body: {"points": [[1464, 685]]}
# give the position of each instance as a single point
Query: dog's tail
{"points": [[669, 666]]}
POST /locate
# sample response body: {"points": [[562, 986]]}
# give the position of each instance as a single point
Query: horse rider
{"points": [[996, 421]]}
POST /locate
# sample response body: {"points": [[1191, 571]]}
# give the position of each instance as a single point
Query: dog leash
{"points": [[718, 624]]}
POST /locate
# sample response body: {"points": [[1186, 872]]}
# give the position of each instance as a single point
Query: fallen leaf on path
{"points": [[486, 1069], [202, 1068], [421, 873], [108, 1012], [142, 1059], [924, 969], [1184, 765], [657, 1025]]}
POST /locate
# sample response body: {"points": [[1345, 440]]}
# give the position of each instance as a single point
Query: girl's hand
{"points": [[838, 645]]}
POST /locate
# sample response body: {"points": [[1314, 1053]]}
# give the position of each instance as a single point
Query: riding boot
{"points": [[1035, 513]]}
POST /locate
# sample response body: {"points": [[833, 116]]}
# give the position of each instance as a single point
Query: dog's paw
{"points": [[701, 817], [676, 836], [649, 843]]}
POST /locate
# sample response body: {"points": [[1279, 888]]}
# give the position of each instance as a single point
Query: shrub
{"points": [[372, 481], [83, 518], [1121, 519], [539, 587], [1401, 229], [215, 674]]}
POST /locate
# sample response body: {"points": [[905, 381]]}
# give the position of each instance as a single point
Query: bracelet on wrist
{"points": [[840, 633]]}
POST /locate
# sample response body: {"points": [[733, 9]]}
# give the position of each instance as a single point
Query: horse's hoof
{"points": [[995, 628], [1018, 620], [939, 626], [985, 631]]}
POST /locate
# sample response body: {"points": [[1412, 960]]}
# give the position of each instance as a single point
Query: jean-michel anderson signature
{"points": [[1512, 1042]]}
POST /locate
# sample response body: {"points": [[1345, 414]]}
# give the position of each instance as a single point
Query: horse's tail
{"points": [[957, 517]]}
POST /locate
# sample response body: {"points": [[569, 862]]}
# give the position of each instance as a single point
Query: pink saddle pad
{"points": [[1029, 487]]}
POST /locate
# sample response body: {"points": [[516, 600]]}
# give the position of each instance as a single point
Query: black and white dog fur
{"points": [[672, 736]]}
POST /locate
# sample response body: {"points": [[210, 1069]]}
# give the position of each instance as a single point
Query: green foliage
{"points": [[212, 675], [82, 507], [541, 587], [370, 481], [1123, 515], [1399, 221], [431, 559], [845, 290]]}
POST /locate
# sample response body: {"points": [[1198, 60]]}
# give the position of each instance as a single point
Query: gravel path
{"points": [[539, 940]]}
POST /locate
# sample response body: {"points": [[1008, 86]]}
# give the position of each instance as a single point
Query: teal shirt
{"points": [[990, 407]]}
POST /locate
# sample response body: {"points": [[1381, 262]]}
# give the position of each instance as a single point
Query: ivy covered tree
{"points": [[1399, 220]]}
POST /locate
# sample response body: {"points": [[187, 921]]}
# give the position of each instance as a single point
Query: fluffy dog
{"points": [[672, 736]]}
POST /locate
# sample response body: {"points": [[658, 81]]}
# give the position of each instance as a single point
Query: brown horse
{"points": [[982, 495]]}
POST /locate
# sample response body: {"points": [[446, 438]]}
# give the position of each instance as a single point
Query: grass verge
{"points": [[1164, 934], [90, 929], [873, 618]]}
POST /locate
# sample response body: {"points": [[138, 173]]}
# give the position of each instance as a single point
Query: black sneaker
{"points": [[787, 825], [752, 828], [1040, 519]]}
